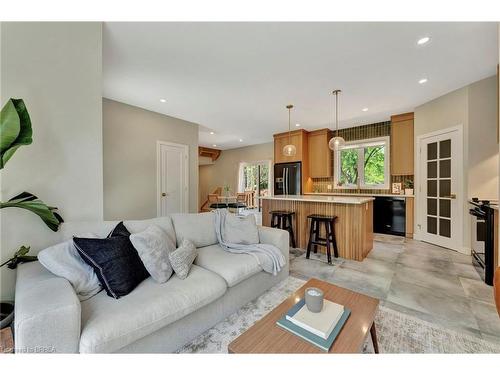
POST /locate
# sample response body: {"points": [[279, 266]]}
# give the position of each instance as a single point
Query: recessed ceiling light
{"points": [[422, 81], [423, 40], [212, 133], [214, 145], [365, 109], [241, 140], [297, 125], [163, 100]]}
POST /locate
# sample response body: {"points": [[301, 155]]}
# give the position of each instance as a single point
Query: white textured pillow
{"points": [[182, 258], [240, 230], [153, 245], [64, 261]]}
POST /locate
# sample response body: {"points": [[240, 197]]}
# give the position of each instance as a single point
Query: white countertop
{"points": [[363, 195], [322, 198]]}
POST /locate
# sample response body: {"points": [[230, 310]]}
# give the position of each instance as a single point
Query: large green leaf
{"points": [[31, 203], [15, 129]]}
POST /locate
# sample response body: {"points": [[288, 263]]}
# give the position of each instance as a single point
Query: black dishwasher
{"points": [[389, 215]]}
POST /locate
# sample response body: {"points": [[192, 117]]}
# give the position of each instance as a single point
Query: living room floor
{"points": [[435, 284]]}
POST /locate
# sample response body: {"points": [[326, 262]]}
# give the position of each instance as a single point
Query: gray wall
{"points": [[483, 146], [129, 137], [474, 107], [56, 69]]}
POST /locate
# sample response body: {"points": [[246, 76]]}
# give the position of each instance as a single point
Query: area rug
{"points": [[397, 332]]}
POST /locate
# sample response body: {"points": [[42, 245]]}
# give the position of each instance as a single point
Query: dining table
{"points": [[226, 198]]}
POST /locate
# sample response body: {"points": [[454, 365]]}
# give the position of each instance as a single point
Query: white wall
{"points": [[56, 69], [129, 135], [474, 107]]}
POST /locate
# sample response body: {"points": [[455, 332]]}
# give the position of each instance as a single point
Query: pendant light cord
{"points": [[289, 107], [289, 129], [336, 93], [337, 112]]}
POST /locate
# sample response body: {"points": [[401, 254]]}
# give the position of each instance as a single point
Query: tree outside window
{"points": [[363, 164]]}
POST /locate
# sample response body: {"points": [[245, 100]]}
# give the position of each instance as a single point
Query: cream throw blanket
{"points": [[268, 256]]}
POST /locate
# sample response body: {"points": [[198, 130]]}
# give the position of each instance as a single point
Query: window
{"points": [[363, 164], [255, 177]]}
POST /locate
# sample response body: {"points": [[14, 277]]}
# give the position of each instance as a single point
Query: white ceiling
{"points": [[236, 78]]}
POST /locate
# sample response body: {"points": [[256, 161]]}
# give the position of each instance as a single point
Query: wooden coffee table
{"points": [[266, 337]]}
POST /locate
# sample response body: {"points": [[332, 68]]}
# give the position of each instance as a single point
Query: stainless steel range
{"points": [[482, 236]]}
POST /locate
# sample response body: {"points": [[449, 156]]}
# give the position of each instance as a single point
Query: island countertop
{"points": [[320, 198]]}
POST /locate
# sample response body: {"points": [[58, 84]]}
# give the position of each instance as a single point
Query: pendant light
{"points": [[289, 149], [336, 142]]}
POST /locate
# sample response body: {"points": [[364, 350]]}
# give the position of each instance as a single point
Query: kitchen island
{"points": [[353, 227]]}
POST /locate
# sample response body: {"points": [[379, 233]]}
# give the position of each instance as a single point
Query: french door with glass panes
{"points": [[440, 188]]}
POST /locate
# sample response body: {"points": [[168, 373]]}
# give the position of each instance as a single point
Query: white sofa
{"points": [[153, 318]]}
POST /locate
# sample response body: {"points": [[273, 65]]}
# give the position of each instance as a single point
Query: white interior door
{"points": [[173, 167], [440, 193]]}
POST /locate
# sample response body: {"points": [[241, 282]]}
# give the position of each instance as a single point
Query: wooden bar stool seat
{"points": [[329, 239], [283, 220]]}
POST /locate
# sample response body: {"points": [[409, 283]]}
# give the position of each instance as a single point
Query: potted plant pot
{"points": [[6, 313], [408, 191]]}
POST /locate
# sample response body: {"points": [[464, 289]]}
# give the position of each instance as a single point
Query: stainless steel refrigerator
{"points": [[287, 178]]}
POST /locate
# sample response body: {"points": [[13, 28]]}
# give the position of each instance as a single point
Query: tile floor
{"points": [[432, 283]]}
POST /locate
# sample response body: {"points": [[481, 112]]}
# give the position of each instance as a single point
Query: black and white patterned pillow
{"points": [[182, 258]]}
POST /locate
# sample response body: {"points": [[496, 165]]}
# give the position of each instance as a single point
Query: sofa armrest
{"points": [[277, 237], [47, 312]]}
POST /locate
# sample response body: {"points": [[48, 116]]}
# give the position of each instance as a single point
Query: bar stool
{"points": [[315, 239], [283, 220]]}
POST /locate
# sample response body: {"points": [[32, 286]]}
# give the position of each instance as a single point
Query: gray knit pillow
{"points": [[153, 246], [182, 258]]}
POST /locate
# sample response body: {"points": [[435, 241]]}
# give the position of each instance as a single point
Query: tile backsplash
{"points": [[321, 185], [381, 129]]}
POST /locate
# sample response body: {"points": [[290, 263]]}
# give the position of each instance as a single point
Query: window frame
{"points": [[360, 146]]}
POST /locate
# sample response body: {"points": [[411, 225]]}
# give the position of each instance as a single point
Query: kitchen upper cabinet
{"points": [[298, 139], [402, 144], [320, 155]]}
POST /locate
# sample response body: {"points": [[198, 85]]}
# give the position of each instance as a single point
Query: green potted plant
{"points": [[409, 187], [16, 131]]}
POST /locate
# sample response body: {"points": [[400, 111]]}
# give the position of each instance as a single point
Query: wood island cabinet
{"points": [[320, 156], [402, 144], [409, 212]]}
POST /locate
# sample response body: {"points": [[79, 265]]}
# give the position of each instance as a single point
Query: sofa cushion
{"points": [[63, 260], [115, 262], [197, 228], [234, 268], [108, 324], [164, 222], [182, 258], [119, 230], [240, 230], [154, 245], [102, 228]]}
